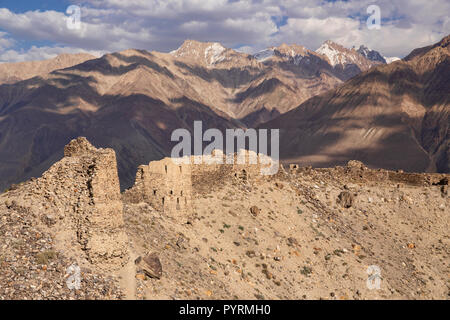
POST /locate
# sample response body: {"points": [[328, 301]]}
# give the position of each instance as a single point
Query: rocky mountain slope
{"points": [[301, 234], [133, 100], [393, 116], [348, 62], [375, 55], [371, 54]]}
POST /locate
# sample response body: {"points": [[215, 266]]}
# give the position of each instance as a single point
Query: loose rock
{"points": [[345, 199]]}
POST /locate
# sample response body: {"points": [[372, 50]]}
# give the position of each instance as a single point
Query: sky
{"points": [[36, 30]]}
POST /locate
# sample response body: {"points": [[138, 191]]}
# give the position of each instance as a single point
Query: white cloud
{"points": [[406, 24], [114, 25], [5, 42], [313, 31]]}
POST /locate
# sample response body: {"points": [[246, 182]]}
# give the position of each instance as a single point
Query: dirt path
{"points": [[127, 277]]}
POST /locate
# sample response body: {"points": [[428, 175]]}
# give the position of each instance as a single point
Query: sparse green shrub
{"points": [[45, 256]]}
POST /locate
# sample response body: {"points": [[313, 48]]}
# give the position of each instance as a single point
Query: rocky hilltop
{"points": [[216, 231]]}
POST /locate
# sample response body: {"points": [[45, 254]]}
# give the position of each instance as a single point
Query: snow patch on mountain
{"points": [[214, 53], [188, 48], [371, 54], [296, 58], [264, 54], [391, 59]]}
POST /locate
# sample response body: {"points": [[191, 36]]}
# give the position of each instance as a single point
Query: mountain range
{"points": [[393, 116], [133, 100]]}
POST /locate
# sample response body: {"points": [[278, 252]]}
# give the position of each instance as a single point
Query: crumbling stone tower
{"points": [[100, 223], [83, 189], [166, 186]]}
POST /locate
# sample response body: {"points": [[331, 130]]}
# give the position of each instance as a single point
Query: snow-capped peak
{"points": [[188, 48], [335, 53], [211, 52], [363, 50], [293, 53]]}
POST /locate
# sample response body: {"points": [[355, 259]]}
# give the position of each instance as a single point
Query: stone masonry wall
{"points": [[166, 186], [169, 187]]}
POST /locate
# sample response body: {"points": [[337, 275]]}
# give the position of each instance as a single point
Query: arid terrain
{"points": [[223, 232]]}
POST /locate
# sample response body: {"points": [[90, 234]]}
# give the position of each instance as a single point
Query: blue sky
{"points": [[33, 30], [21, 6]]}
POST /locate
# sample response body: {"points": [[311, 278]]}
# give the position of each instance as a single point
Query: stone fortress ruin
{"points": [[164, 185], [79, 197], [169, 184]]}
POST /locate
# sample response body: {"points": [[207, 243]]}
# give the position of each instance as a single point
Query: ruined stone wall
{"points": [[169, 187], [165, 185], [101, 231], [356, 170], [245, 164]]}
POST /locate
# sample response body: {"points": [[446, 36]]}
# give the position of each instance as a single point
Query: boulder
{"points": [[150, 265], [254, 210]]}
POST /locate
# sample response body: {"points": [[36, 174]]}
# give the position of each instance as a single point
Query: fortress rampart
{"points": [[169, 184]]}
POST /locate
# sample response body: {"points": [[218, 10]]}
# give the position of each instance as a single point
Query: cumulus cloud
{"points": [[114, 25]]}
